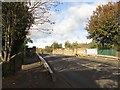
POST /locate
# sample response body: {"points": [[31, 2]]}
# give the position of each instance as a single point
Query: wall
{"points": [[85, 51], [118, 54], [68, 52], [12, 66], [79, 51], [58, 51], [29, 52]]}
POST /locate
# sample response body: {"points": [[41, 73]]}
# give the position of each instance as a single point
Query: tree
{"points": [[92, 44], [17, 18], [48, 49], [41, 11], [55, 45], [16, 21], [68, 44], [103, 26], [75, 45]]}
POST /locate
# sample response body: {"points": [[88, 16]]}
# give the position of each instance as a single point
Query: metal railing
{"points": [[47, 67]]}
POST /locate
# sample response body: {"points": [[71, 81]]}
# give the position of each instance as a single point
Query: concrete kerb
{"points": [[46, 65], [102, 56], [106, 56]]}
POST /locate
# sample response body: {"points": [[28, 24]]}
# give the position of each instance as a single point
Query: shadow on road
{"points": [[69, 73], [32, 76], [71, 70]]}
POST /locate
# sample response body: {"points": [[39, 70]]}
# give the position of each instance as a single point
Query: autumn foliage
{"points": [[103, 26]]}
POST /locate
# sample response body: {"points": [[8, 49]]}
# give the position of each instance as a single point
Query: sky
{"points": [[70, 19]]}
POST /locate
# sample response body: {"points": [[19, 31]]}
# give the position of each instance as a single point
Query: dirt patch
{"points": [[106, 83]]}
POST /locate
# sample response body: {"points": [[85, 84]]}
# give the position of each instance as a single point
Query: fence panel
{"points": [[12, 66], [91, 51], [109, 52]]}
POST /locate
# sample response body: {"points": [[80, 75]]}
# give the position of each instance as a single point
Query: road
{"points": [[84, 73]]}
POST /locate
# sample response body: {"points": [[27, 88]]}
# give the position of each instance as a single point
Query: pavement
{"points": [[107, 56], [103, 58]]}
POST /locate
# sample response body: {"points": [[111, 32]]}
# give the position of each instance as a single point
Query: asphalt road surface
{"points": [[85, 73]]}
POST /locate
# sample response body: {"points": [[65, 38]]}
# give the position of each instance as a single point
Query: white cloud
{"points": [[75, 18], [87, 0], [69, 25]]}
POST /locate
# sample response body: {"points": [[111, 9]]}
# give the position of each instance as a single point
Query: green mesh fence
{"points": [[109, 52]]}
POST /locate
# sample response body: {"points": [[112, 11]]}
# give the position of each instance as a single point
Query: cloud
{"points": [[70, 25], [71, 20], [87, 0]]}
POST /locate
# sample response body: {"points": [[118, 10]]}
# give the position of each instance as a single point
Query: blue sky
{"points": [[71, 20]]}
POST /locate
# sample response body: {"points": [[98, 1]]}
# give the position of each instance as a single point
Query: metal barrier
{"points": [[47, 67]]}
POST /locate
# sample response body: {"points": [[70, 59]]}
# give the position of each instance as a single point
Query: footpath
{"points": [[103, 58]]}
